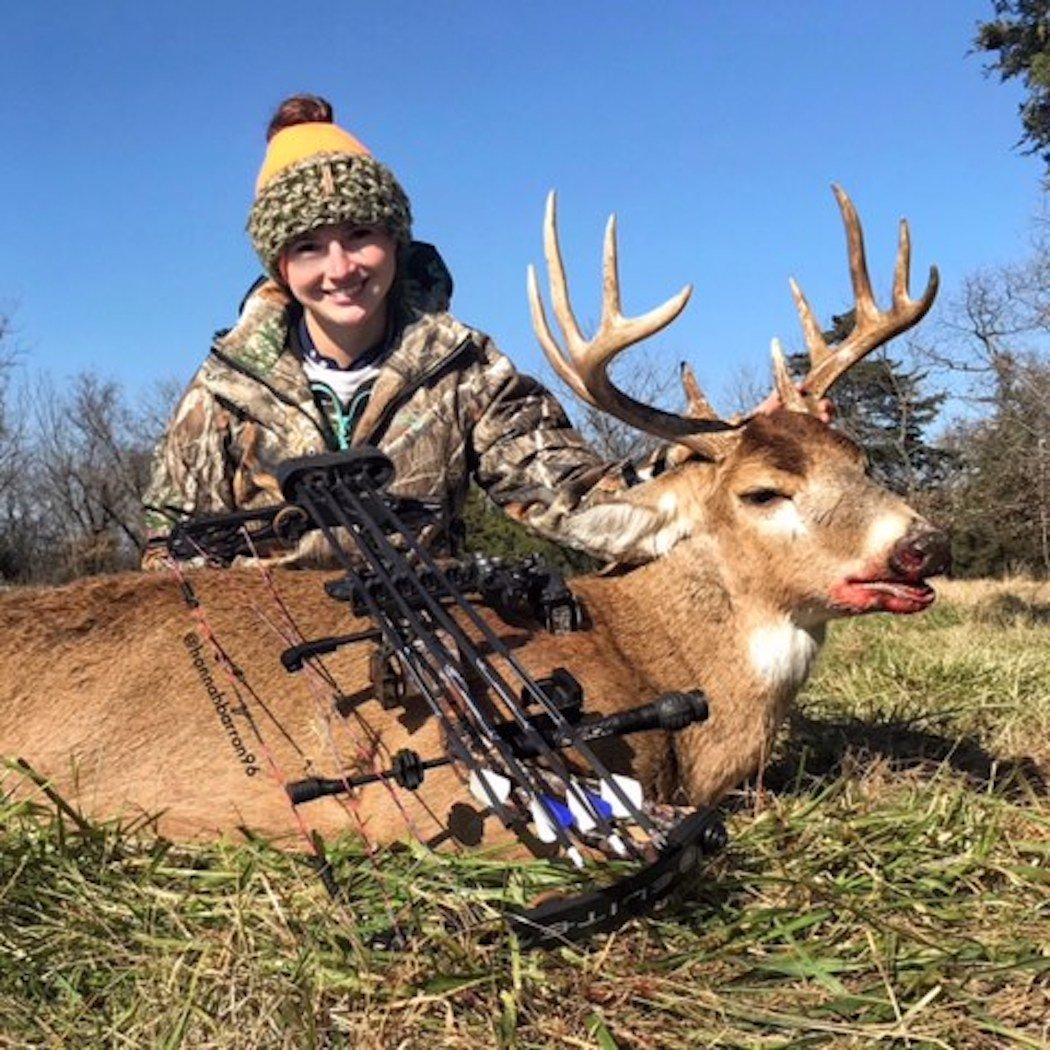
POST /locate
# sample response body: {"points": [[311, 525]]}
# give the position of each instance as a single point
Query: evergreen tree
{"points": [[999, 500], [1019, 35], [884, 407], [992, 347]]}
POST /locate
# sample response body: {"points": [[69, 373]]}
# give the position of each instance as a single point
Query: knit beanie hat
{"points": [[316, 174]]}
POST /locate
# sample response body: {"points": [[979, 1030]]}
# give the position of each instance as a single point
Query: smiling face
{"points": [[822, 539], [342, 276]]}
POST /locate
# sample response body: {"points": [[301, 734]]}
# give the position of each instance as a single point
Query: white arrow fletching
{"points": [[498, 784], [580, 810], [544, 825], [616, 845], [574, 855], [630, 787]]}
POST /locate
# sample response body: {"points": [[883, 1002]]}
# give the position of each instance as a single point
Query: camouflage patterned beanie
{"points": [[316, 174]]}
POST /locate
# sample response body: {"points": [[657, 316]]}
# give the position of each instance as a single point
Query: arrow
{"points": [[628, 788], [498, 786]]}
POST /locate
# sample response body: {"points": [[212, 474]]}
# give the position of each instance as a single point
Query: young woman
{"points": [[349, 340]]}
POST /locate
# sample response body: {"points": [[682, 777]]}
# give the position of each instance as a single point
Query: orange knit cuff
{"points": [[293, 144]]}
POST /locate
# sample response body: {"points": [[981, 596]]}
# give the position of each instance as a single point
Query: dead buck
{"points": [[764, 530]]}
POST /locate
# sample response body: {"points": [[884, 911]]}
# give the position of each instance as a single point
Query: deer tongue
{"points": [[887, 595]]}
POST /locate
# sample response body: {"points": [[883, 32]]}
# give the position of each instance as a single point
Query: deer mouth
{"points": [[889, 594]]}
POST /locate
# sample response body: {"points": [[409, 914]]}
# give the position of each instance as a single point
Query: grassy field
{"points": [[887, 884]]}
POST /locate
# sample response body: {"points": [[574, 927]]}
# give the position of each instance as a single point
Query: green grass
{"points": [[888, 883]]}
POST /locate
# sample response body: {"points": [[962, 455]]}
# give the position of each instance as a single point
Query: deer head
{"points": [[778, 503]]}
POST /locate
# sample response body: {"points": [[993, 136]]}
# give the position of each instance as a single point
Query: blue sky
{"points": [[132, 134]]}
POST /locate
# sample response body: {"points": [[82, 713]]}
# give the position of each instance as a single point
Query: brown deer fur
{"points": [[101, 693]]}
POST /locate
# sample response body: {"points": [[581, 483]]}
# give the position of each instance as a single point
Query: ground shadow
{"points": [[826, 748]]}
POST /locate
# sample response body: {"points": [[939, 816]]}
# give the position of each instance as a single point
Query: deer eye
{"points": [[762, 497]]}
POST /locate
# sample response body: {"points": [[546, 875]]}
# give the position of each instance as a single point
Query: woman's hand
{"points": [[825, 409]]}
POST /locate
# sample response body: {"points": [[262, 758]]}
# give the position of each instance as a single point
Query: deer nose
{"points": [[922, 551]]}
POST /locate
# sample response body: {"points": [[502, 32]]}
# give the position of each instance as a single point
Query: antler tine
{"points": [[583, 365], [562, 307], [790, 397], [818, 348], [696, 404], [548, 342], [616, 332], [611, 308], [902, 271], [863, 296], [559, 283], [872, 327]]}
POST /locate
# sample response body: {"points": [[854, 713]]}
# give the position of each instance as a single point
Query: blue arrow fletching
{"points": [[545, 830], [561, 811], [542, 814], [601, 807]]}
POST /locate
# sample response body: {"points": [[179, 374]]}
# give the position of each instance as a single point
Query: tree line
{"points": [[74, 463], [957, 422]]}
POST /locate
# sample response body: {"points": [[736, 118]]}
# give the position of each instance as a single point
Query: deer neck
{"points": [[686, 621], [689, 619]]}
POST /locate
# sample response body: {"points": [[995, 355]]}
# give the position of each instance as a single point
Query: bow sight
{"points": [[524, 743]]}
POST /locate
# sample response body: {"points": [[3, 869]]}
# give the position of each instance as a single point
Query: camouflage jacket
{"points": [[446, 407]]}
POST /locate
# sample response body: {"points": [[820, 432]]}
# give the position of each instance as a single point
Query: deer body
{"points": [[760, 535], [106, 697], [114, 691], [112, 694]]}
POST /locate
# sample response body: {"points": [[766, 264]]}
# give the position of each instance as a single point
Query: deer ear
{"points": [[636, 525], [631, 533]]}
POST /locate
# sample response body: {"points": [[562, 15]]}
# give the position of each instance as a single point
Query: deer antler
{"points": [[872, 327], [584, 366]]}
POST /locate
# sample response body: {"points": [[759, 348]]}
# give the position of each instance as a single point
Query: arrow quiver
{"points": [[510, 733]]}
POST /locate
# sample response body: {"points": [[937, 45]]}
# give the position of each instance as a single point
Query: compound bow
{"points": [[509, 732]]}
